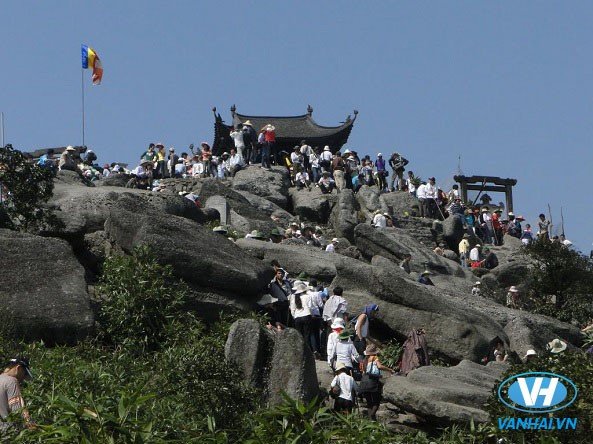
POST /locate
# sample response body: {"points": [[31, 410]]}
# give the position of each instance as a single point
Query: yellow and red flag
{"points": [[90, 59]]}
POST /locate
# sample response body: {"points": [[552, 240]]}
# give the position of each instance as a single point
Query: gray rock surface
{"points": [[399, 203], [312, 205], [272, 185], [344, 215], [445, 394], [43, 290], [196, 253], [275, 361], [368, 199], [453, 232], [113, 180], [277, 214]]}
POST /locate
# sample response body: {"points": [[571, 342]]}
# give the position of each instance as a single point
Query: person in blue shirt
{"points": [[424, 279], [47, 161]]}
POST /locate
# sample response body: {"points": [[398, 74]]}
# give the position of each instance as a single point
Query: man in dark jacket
{"points": [[250, 141], [397, 163], [280, 289]]}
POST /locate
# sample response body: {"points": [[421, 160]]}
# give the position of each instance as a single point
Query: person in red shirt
{"points": [[206, 158], [497, 227], [268, 148]]}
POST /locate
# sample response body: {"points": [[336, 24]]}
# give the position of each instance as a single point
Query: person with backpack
{"points": [[397, 163], [250, 142], [300, 309], [370, 385], [343, 389]]}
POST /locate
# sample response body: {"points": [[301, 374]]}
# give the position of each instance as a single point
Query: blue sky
{"points": [[507, 86]]}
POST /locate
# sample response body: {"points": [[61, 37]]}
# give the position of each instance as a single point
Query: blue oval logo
{"points": [[537, 392]]}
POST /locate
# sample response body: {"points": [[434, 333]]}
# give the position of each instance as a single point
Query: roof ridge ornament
{"points": [[309, 110], [233, 110]]}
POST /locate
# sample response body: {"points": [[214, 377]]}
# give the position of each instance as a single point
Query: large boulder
{"points": [[400, 203], [292, 368], [197, 254], [368, 199], [507, 274], [344, 217], [394, 243], [43, 291], [453, 231], [270, 184], [445, 395], [80, 210], [277, 215], [67, 177], [312, 205], [113, 180], [278, 362]]}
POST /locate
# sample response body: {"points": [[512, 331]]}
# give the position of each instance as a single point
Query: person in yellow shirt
{"points": [[464, 250]]}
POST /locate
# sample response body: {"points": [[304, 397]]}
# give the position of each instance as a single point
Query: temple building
{"points": [[289, 130]]}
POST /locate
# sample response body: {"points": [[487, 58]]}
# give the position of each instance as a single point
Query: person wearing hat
{"points": [[343, 352], [474, 254], [11, 399], [331, 247], [326, 184], [361, 327], [373, 387], [338, 168], [343, 388], [424, 279], [220, 230], [276, 236], [514, 228], [497, 227], [250, 141], [381, 173], [268, 133], [485, 221], [397, 163], [268, 306], [464, 249], [337, 326], [513, 297], [300, 309], [68, 160], [531, 355], [477, 288], [556, 346], [325, 159]]}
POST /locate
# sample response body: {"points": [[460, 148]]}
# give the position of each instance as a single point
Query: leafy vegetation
{"points": [[23, 187], [561, 282]]}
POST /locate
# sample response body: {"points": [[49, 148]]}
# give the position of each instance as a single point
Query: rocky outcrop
{"points": [[394, 243], [368, 199], [272, 185], [453, 232], [197, 255], [114, 180], [400, 204], [445, 395], [313, 205], [279, 362], [344, 216], [43, 294]]}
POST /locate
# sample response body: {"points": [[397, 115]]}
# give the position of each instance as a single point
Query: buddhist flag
{"points": [[90, 59]]}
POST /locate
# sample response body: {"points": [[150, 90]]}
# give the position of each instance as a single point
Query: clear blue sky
{"points": [[507, 86]]}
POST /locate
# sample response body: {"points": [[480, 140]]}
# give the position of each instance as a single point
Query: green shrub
{"points": [[140, 298]]}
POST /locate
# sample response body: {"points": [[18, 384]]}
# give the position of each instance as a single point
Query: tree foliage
{"points": [[562, 281], [24, 186]]}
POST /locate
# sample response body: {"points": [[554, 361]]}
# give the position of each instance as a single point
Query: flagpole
{"points": [[82, 88], [2, 126]]}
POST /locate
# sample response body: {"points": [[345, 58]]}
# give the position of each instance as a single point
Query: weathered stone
{"points": [[67, 177], [400, 204], [220, 204], [43, 289], [344, 215], [445, 394], [313, 205], [368, 199], [292, 368], [196, 253], [453, 231], [277, 215], [271, 184], [113, 180]]}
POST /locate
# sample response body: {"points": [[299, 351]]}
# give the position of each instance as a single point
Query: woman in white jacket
{"points": [[300, 308]]}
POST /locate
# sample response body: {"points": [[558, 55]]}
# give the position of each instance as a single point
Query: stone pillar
{"points": [[509, 197], [464, 192], [220, 204]]}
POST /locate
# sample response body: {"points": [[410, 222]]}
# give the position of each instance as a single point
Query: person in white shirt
{"points": [[337, 326], [476, 288], [331, 246], [343, 351], [306, 152], [344, 386], [235, 162], [430, 195], [237, 136], [326, 183], [296, 158], [474, 254], [301, 180], [421, 195], [410, 183], [379, 221], [300, 308], [326, 159], [335, 306]]}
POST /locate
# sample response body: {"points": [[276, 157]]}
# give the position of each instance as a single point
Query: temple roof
{"points": [[290, 130]]}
